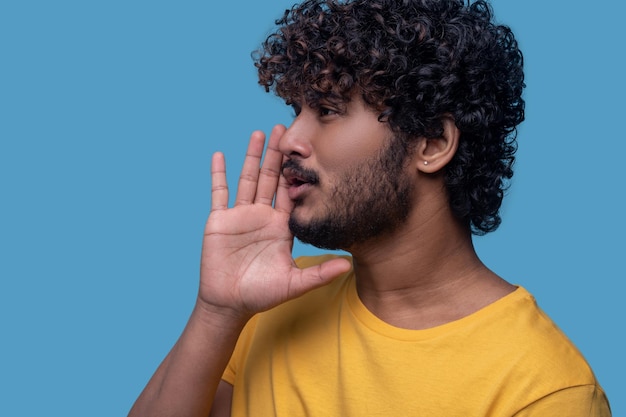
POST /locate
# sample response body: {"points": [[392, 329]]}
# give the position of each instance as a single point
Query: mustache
{"points": [[304, 174]]}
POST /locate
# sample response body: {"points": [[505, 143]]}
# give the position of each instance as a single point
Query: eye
{"points": [[325, 111]]}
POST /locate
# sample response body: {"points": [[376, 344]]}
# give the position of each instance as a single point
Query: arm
{"points": [[246, 268], [222, 401]]}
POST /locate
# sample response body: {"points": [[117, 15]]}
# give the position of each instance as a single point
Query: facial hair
{"points": [[368, 201]]}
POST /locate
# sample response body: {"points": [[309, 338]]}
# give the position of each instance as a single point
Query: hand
{"points": [[247, 265]]}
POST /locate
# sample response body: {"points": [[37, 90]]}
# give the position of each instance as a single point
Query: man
{"points": [[401, 147]]}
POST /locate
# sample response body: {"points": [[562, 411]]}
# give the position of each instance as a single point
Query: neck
{"points": [[425, 274]]}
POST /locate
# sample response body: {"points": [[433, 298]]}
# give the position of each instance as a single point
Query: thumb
{"points": [[319, 275]]}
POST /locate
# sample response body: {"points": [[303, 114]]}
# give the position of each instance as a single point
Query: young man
{"points": [[401, 148]]}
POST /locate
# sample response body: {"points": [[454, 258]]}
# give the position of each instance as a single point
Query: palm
{"points": [[246, 257]]}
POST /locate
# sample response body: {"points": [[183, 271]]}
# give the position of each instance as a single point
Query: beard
{"points": [[369, 201]]}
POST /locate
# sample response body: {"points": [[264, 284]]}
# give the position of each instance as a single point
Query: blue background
{"points": [[109, 114]]}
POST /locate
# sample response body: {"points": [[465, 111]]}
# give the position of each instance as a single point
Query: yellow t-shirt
{"points": [[324, 354]]}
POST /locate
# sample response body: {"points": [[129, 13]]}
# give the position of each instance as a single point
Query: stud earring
{"points": [[425, 162]]}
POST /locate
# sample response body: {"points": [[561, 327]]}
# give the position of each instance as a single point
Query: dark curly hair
{"points": [[414, 61]]}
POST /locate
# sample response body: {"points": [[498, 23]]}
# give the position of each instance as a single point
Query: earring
{"points": [[425, 162]]}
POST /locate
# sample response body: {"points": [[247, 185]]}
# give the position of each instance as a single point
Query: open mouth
{"points": [[299, 179], [297, 176], [295, 180]]}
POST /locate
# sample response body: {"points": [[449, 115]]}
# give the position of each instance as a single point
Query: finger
{"points": [[319, 275], [219, 186], [283, 202], [248, 180], [270, 170]]}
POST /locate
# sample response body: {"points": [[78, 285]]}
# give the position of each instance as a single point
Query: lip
{"points": [[297, 191], [299, 183]]}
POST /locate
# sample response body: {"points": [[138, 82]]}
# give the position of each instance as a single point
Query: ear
{"points": [[432, 154]]}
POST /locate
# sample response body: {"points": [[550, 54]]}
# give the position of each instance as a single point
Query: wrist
{"points": [[220, 317]]}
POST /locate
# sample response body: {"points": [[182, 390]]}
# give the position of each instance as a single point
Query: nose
{"points": [[296, 141]]}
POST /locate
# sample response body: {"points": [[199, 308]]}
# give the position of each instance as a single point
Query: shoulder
{"points": [[530, 357], [538, 347]]}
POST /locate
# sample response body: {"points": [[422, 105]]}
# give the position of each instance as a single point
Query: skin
{"points": [[338, 200], [417, 276]]}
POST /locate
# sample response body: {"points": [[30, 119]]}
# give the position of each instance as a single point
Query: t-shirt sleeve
{"points": [[579, 401]]}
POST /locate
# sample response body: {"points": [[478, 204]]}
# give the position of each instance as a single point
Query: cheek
{"points": [[351, 148]]}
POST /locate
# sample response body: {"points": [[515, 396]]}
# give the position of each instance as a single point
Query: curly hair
{"points": [[415, 62]]}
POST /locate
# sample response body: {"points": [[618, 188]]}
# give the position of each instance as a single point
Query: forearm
{"points": [[185, 382]]}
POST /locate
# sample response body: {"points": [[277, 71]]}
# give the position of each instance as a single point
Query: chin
{"points": [[302, 214]]}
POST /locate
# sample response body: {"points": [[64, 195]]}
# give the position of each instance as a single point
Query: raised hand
{"points": [[246, 268], [247, 264]]}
